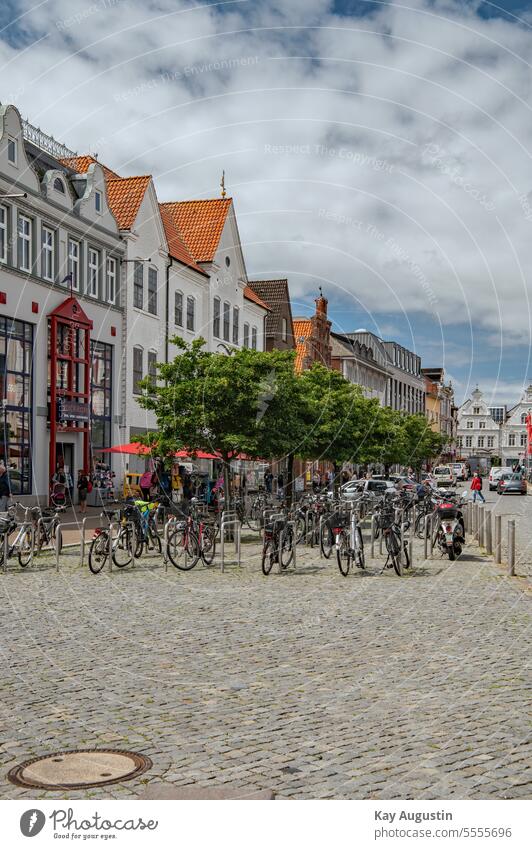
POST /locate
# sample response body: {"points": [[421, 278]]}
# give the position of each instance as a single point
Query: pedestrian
{"points": [[268, 478], [145, 485], [476, 486], [280, 486], [5, 489], [84, 485], [316, 482]]}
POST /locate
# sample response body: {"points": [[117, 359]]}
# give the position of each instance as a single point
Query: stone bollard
{"points": [[498, 539], [373, 519], [481, 525], [511, 546], [426, 537], [488, 544]]}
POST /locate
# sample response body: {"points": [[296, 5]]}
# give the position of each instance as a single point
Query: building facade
{"points": [[406, 386], [514, 441], [440, 408], [61, 312], [478, 434], [313, 337], [357, 363], [279, 321]]}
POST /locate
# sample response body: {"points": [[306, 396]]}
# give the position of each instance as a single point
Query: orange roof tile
{"points": [[125, 197], [302, 332], [250, 295], [176, 246], [81, 165], [200, 223]]}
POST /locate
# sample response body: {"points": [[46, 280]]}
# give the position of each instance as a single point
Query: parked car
{"points": [[444, 476], [375, 488], [494, 475], [511, 483], [460, 471]]}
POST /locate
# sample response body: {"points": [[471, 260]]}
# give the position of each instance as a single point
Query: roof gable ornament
{"points": [[222, 185]]}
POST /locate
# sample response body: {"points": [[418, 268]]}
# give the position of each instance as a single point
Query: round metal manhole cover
{"points": [[78, 769]]}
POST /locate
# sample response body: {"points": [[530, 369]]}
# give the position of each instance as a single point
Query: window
{"points": [[228, 261], [476, 411], [73, 262], [511, 440], [152, 368], [138, 285], [469, 441], [110, 293], [459, 442], [469, 423], [191, 313], [491, 441], [58, 185], [137, 370], [523, 440], [216, 318], [246, 336], [480, 442], [94, 270], [482, 425], [98, 201], [227, 320], [152, 291], [3, 233], [178, 309], [523, 418], [47, 254], [16, 360], [101, 394], [236, 328], [12, 151], [284, 330], [254, 338], [24, 243]]}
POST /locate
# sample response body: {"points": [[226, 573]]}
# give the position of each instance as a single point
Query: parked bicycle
{"points": [[349, 542], [393, 532], [22, 544], [278, 545]]}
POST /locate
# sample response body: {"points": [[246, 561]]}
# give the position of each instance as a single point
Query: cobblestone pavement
{"points": [[518, 507], [306, 683]]}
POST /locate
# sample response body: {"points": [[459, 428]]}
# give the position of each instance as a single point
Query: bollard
{"points": [[432, 534], [6, 550], [323, 519], [83, 524], [481, 520], [511, 547], [133, 544], [381, 537], [426, 537], [58, 534], [165, 545], [294, 543], [498, 539], [109, 552], [238, 540], [373, 535], [488, 532], [401, 537], [411, 540]]}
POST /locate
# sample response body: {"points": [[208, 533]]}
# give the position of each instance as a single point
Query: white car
{"points": [[376, 488], [494, 475], [444, 476], [460, 471]]}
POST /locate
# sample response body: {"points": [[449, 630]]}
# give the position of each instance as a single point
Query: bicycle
{"points": [[391, 531], [349, 545], [45, 521], [278, 545], [22, 545], [183, 546]]}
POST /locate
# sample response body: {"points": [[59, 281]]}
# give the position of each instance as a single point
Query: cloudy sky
{"points": [[380, 150]]}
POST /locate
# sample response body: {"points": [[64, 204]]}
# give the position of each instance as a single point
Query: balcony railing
{"points": [[45, 142]]}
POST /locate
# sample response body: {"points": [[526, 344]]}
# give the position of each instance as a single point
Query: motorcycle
{"points": [[450, 536]]}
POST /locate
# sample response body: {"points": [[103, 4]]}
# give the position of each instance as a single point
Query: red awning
{"points": [[138, 448]]}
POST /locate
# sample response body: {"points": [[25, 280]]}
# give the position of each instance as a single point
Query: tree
{"points": [[419, 441], [242, 403]]}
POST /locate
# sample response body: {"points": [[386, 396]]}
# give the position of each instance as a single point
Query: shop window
{"points": [[16, 350]]}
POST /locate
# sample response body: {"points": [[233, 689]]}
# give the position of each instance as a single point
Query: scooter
{"points": [[450, 536]]}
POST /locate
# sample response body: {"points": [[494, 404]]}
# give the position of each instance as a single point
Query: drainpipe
{"points": [[167, 310]]}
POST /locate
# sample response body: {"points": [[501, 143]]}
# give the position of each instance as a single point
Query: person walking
{"points": [[5, 489], [476, 486], [84, 485], [145, 485]]}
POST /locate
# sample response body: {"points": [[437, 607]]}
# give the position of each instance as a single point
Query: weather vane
{"points": [[222, 184]]}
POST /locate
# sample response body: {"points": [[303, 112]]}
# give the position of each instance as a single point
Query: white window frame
{"points": [[110, 280], [73, 261], [523, 440], [98, 205], [254, 338], [511, 440], [93, 269], [136, 390], [245, 339], [25, 241], [284, 329], [469, 425], [236, 326], [191, 301], [469, 442], [14, 142], [491, 441], [480, 442], [217, 318], [4, 237], [482, 425], [178, 296], [47, 253]]}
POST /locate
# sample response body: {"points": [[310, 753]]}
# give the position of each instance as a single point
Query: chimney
{"points": [[321, 305]]}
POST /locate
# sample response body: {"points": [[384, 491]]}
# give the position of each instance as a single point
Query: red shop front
{"points": [[69, 353]]}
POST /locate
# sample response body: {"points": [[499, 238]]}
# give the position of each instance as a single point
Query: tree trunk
{"points": [[336, 479], [290, 480]]}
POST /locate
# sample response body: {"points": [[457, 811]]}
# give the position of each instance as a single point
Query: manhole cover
{"points": [[78, 769]]}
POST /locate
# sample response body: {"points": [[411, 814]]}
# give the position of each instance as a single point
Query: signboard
{"points": [[72, 411]]}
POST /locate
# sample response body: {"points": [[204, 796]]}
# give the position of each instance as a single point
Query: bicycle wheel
{"points": [[326, 540], [268, 557], [421, 522], [208, 548], [183, 549], [392, 546], [360, 557], [153, 541], [25, 548], [343, 553], [98, 552], [286, 547], [300, 528], [406, 555], [122, 554]]}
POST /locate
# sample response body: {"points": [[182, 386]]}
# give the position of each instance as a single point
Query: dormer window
{"points": [[12, 152], [59, 185], [98, 201]]}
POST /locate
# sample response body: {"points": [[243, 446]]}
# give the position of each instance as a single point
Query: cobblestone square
{"points": [[305, 683]]}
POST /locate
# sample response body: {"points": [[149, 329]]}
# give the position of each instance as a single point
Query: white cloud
{"points": [[387, 156]]}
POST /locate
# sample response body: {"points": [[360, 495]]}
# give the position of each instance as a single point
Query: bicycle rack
{"points": [[230, 520]]}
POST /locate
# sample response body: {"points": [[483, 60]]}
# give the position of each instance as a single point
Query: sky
{"points": [[380, 150]]}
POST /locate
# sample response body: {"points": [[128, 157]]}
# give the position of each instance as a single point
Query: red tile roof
{"points": [[250, 295], [125, 197], [302, 332], [81, 165], [176, 246], [200, 223]]}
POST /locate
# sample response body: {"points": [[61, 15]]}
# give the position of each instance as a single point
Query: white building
{"points": [[513, 431], [478, 434], [357, 362]]}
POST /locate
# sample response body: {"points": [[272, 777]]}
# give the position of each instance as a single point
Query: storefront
{"points": [[16, 358]]}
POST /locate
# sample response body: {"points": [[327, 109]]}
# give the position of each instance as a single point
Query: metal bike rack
{"points": [[230, 520]]}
